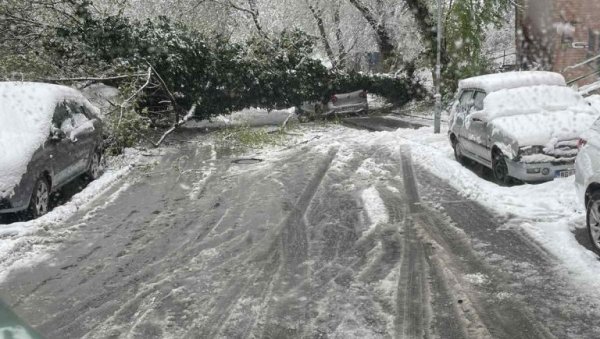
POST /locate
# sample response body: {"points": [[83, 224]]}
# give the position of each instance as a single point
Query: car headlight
{"points": [[530, 150]]}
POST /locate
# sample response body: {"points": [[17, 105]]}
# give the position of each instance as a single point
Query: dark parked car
{"points": [[49, 136]]}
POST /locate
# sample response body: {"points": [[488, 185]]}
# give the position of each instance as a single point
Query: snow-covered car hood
{"points": [[26, 111], [535, 116], [540, 129]]}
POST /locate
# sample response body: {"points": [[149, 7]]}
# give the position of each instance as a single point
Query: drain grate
{"points": [[247, 161]]}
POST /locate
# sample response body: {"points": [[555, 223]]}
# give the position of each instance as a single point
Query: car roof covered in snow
{"points": [[495, 82], [41, 91]]}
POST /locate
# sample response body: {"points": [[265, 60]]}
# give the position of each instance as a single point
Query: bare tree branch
{"points": [[318, 16], [384, 39]]}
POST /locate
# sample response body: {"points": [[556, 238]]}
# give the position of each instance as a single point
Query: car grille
{"points": [[563, 151], [568, 161]]}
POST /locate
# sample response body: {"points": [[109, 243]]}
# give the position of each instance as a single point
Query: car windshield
{"points": [[299, 169]]}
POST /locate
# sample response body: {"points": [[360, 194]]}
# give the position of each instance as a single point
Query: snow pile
{"points": [[374, 207], [25, 118], [594, 101], [253, 117], [494, 82], [377, 102]]}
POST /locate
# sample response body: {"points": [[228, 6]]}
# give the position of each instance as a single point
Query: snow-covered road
{"points": [[339, 233]]}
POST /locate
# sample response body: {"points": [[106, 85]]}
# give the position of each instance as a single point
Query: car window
{"points": [[478, 101], [86, 110], [79, 116], [465, 101], [62, 116]]}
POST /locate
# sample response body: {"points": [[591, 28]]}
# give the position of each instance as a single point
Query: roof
{"points": [[533, 100], [44, 94], [32, 88], [495, 82]]}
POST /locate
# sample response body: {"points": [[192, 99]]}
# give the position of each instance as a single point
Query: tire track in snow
{"points": [[293, 273], [480, 316]]}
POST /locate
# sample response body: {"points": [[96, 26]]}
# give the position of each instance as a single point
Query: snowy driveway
{"points": [[342, 233]]}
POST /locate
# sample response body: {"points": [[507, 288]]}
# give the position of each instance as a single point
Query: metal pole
{"points": [[438, 73]]}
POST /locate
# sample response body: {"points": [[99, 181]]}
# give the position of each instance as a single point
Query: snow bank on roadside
{"points": [[433, 152], [253, 117], [549, 212]]}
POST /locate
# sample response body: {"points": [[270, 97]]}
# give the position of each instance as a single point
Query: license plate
{"points": [[565, 173]]}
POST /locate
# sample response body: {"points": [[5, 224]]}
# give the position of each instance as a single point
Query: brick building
{"points": [[558, 34]]}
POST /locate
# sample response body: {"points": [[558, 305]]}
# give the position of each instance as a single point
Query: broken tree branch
{"points": [[282, 128], [166, 88], [100, 79], [185, 119]]}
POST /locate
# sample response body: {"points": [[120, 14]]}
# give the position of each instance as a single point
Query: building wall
{"points": [[584, 16], [560, 33]]}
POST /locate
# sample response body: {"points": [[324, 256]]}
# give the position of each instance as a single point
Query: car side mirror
{"points": [[478, 116], [57, 134]]}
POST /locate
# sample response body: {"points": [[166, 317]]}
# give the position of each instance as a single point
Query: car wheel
{"points": [[593, 219], [500, 168], [95, 169], [40, 198], [458, 151]]}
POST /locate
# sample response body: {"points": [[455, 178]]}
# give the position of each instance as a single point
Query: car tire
{"points": [[40, 199], [458, 152], [500, 168], [592, 217], [95, 168]]}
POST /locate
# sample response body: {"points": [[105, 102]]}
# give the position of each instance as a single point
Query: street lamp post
{"points": [[438, 72]]}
